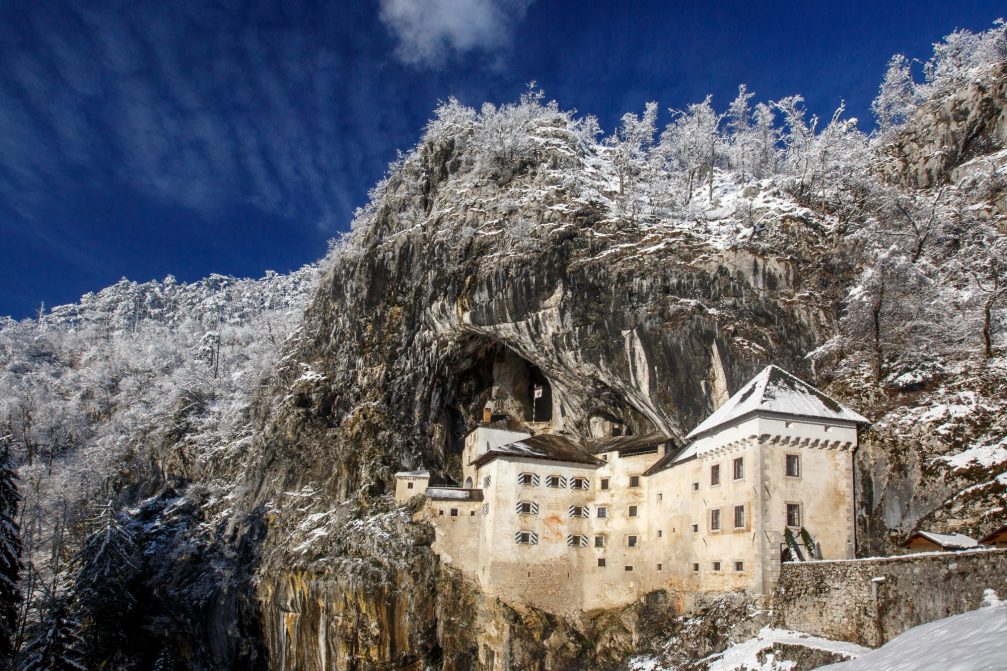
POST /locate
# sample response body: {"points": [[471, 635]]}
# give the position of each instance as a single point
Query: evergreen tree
{"points": [[56, 645], [106, 570], [10, 557]]}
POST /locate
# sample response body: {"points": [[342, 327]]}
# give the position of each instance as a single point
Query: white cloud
{"points": [[428, 31]]}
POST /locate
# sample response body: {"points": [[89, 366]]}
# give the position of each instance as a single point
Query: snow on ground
{"points": [[744, 656], [984, 454], [973, 641]]}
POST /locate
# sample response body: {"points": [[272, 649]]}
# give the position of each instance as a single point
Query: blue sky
{"points": [[142, 139]]}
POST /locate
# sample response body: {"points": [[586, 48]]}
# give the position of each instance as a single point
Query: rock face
{"points": [[461, 284]]}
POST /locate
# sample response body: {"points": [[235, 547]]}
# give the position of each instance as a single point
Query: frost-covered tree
{"points": [[107, 566], [629, 148], [690, 144], [742, 145], [898, 97], [10, 555], [55, 644]]}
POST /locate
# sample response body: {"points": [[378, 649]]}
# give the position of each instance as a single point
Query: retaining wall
{"points": [[870, 601]]}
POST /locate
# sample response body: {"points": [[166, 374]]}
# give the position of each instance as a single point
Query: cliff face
{"points": [[468, 278]]}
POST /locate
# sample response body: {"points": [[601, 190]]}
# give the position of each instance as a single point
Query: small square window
{"points": [[695, 528], [602, 511], [714, 475], [409, 485], [634, 481], [715, 519], [601, 561], [628, 567], [632, 511], [554, 481], [454, 512], [739, 468], [660, 533], [472, 513], [695, 486], [440, 512], [660, 567], [739, 566], [579, 483], [631, 541], [604, 483], [695, 568], [599, 541], [660, 496], [739, 517], [793, 514], [793, 465], [716, 566]]}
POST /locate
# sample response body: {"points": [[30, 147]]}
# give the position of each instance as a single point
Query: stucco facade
{"points": [[565, 527]]}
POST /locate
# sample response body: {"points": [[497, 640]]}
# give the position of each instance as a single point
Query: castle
{"points": [[566, 527]]}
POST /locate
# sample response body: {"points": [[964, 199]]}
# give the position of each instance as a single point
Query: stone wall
{"points": [[870, 601]]}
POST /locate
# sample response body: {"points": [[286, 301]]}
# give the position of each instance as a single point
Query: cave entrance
{"points": [[540, 392]]}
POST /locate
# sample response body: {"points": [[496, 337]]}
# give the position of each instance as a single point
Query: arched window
{"points": [[468, 482]]}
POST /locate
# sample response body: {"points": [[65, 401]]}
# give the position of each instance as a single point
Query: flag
{"points": [[538, 391]]}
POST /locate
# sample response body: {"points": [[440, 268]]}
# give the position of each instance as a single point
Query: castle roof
{"points": [[545, 446], [627, 445], [775, 391]]}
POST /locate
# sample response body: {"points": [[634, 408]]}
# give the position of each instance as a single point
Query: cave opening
{"points": [[541, 395]]}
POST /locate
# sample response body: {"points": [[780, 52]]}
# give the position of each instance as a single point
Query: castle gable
{"points": [[775, 391], [544, 446]]}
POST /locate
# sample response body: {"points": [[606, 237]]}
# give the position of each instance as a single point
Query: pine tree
{"points": [[106, 570], [10, 557], [56, 645]]}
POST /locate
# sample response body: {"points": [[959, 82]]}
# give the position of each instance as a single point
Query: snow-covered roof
{"points": [[413, 474], [946, 540], [774, 390], [541, 446]]}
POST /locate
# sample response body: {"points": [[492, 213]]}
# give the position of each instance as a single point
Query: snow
{"points": [[950, 540], [985, 454], [744, 656], [775, 390], [973, 641], [449, 493], [413, 474]]}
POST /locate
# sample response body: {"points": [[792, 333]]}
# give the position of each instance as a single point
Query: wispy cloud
{"points": [[430, 31]]}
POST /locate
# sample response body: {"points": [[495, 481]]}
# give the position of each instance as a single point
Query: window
{"points": [[632, 511], [528, 479], [716, 566], [604, 483], [526, 538], [578, 511], [739, 566], [715, 519], [526, 508], [576, 541], [599, 541], [602, 511], [409, 485], [739, 517], [634, 481], [601, 562], [660, 567], [695, 568], [793, 514], [487, 480], [440, 512], [579, 483], [660, 532], [695, 486], [632, 541], [793, 465], [555, 481], [695, 528], [628, 567], [660, 496], [472, 513], [714, 475], [454, 512], [486, 509], [739, 468]]}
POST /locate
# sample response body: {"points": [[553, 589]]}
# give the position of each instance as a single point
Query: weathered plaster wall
{"points": [[872, 601]]}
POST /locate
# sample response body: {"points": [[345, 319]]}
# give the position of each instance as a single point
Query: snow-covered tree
{"points": [[107, 566], [898, 97], [10, 555], [629, 146], [55, 644]]}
